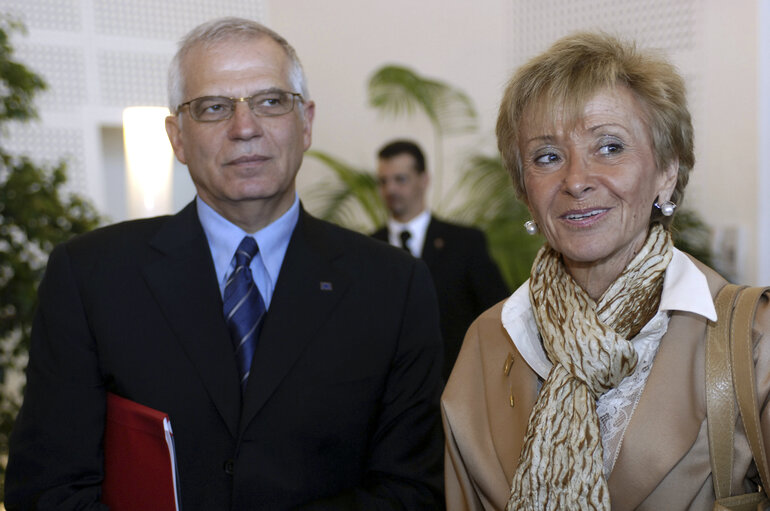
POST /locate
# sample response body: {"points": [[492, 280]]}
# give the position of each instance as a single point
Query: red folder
{"points": [[139, 461]]}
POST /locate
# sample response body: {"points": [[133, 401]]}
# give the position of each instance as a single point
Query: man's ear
{"points": [[174, 132], [307, 123]]}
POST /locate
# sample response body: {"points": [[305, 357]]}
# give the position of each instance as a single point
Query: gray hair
{"points": [[215, 31]]}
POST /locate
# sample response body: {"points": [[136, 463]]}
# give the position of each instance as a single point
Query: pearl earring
{"points": [[531, 227], [667, 208]]}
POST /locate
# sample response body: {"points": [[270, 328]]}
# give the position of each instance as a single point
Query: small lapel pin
{"points": [[326, 286], [438, 243], [508, 364]]}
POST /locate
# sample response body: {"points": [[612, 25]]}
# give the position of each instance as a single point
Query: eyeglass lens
{"points": [[264, 104]]}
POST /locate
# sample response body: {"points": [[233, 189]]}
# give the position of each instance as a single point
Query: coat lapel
{"points": [[670, 412], [183, 282], [668, 417], [514, 401], [309, 287]]}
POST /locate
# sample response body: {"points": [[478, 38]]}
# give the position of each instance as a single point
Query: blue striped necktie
{"points": [[244, 308]]}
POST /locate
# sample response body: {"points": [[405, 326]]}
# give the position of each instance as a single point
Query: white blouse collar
{"points": [[684, 289]]}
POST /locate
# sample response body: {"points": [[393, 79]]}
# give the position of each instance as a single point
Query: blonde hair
{"points": [[567, 75]]}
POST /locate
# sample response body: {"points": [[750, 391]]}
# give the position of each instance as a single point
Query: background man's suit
{"points": [[467, 280], [342, 400]]}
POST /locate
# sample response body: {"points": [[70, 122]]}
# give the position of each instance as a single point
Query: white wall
{"points": [[726, 177], [101, 55], [763, 191], [475, 46], [341, 43]]}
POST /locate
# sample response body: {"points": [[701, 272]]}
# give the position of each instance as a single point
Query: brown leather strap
{"points": [[743, 375], [720, 396]]}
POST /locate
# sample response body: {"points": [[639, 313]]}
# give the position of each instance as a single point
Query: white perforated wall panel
{"points": [[128, 78], [98, 57], [665, 24], [164, 19], [63, 15], [48, 145], [64, 70]]}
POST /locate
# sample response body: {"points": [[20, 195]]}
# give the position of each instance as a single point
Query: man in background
{"points": [[467, 280], [297, 361]]}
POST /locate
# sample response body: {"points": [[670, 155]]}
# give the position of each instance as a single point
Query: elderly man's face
{"points": [[243, 167]]}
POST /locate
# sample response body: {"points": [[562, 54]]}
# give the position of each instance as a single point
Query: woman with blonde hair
{"points": [[586, 388]]}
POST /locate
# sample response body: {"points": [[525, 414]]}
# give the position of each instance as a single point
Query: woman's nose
{"points": [[577, 177]]}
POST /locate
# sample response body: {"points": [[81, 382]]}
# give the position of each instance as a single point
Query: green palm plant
{"points": [[352, 199], [490, 204], [35, 214], [397, 90]]}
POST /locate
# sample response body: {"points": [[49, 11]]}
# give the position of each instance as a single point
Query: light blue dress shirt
{"points": [[273, 240]]}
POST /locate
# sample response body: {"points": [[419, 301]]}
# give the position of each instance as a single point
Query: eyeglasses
{"points": [[271, 103]]}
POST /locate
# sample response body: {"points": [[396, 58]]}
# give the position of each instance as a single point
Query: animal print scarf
{"points": [[561, 462]]}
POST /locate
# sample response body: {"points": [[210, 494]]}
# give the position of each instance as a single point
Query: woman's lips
{"points": [[584, 216]]}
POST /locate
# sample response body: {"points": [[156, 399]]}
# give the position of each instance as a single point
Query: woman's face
{"points": [[591, 189]]}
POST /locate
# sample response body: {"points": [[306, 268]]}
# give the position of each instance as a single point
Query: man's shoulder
{"points": [[447, 228], [121, 243], [381, 233], [354, 243], [120, 232]]}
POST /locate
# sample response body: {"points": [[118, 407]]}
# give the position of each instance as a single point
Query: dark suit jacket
{"points": [[341, 408], [467, 280]]}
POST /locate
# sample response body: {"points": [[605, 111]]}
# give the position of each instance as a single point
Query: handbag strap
{"points": [[720, 396], [730, 375], [743, 375]]}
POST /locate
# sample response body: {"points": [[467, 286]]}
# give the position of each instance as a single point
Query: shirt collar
{"points": [[224, 237], [417, 227], [684, 289], [416, 224]]}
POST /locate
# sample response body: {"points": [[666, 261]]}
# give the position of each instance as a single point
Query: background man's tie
{"points": [[244, 307], [405, 235]]}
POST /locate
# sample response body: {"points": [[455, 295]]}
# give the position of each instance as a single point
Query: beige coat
{"points": [[664, 459]]}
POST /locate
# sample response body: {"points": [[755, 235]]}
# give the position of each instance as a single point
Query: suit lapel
{"points": [[668, 417], [183, 282], [434, 242], [308, 289]]}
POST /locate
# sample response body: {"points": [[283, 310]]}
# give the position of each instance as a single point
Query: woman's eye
{"points": [[612, 147], [546, 158]]}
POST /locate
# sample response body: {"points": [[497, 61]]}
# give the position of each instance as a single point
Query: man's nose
{"points": [[244, 124]]}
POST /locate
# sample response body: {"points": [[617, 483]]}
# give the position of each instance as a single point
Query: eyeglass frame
{"points": [[294, 97]]}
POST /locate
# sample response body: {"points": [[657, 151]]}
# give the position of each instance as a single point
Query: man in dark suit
{"points": [[467, 280], [336, 409]]}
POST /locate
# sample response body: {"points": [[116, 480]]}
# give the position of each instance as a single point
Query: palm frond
{"points": [[397, 90], [693, 236], [352, 199], [491, 205]]}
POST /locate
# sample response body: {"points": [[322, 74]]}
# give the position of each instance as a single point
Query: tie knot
{"points": [[246, 251]]}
